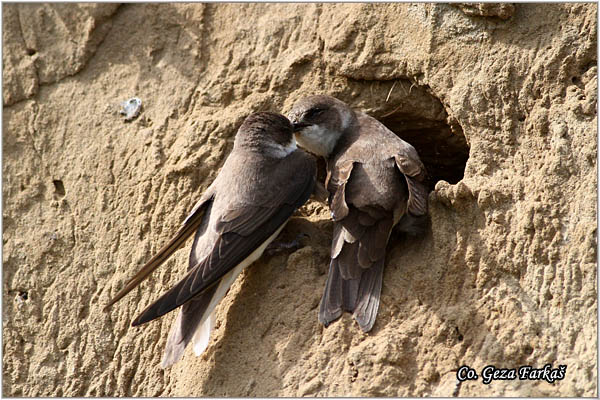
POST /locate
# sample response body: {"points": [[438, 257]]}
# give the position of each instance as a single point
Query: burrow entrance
{"points": [[419, 118]]}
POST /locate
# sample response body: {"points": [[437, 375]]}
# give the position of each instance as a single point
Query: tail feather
{"points": [[202, 336], [369, 292], [175, 344], [348, 263], [356, 268], [358, 296], [331, 303], [350, 293], [194, 316]]}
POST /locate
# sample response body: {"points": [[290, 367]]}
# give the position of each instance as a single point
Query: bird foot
{"points": [[278, 246]]}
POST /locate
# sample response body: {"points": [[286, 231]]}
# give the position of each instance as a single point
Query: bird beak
{"points": [[297, 126]]}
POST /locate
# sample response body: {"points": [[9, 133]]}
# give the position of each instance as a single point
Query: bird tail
{"points": [[358, 296], [202, 335], [331, 303], [368, 295], [194, 323]]}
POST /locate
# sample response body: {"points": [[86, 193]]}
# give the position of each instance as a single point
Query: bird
{"points": [[263, 181], [375, 182]]}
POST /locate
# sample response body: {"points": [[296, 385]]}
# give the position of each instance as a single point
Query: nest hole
{"points": [[419, 118], [443, 152], [442, 148], [415, 115]]}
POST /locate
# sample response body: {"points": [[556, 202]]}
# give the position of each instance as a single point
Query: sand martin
{"points": [[375, 182], [263, 181]]}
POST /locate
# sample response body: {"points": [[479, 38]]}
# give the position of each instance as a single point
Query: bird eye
{"points": [[313, 112]]}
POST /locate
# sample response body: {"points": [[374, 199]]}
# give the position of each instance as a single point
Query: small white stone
{"points": [[131, 108]]}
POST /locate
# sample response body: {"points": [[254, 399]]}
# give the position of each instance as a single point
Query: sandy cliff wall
{"points": [[499, 99]]}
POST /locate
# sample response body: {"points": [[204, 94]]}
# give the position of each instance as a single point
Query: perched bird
{"points": [[375, 182], [263, 181]]}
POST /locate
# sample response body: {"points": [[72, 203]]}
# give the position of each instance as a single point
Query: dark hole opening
{"points": [[444, 153], [59, 187], [419, 118], [416, 116], [31, 52]]}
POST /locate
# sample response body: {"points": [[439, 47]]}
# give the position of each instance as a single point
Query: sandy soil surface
{"points": [[500, 100]]}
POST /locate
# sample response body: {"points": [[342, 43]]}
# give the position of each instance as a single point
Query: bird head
{"points": [[319, 122], [269, 133]]}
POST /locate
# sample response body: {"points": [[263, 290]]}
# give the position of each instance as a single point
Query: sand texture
{"points": [[499, 100]]}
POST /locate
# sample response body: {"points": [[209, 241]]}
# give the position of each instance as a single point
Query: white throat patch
{"points": [[346, 116], [278, 151], [318, 140]]}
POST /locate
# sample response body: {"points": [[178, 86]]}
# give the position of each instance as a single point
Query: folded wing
{"points": [[241, 230], [189, 226]]}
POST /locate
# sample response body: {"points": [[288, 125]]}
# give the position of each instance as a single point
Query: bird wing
{"points": [[363, 221], [412, 169], [337, 178], [241, 230], [360, 236], [407, 159], [189, 226]]}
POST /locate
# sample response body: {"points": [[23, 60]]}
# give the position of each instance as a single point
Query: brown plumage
{"points": [[263, 181], [374, 180]]}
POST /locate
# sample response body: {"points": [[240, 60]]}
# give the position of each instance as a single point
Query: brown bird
{"points": [[263, 181], [375, 182]]}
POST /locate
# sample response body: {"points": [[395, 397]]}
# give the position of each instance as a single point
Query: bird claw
{"points": [[280, 245]]}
